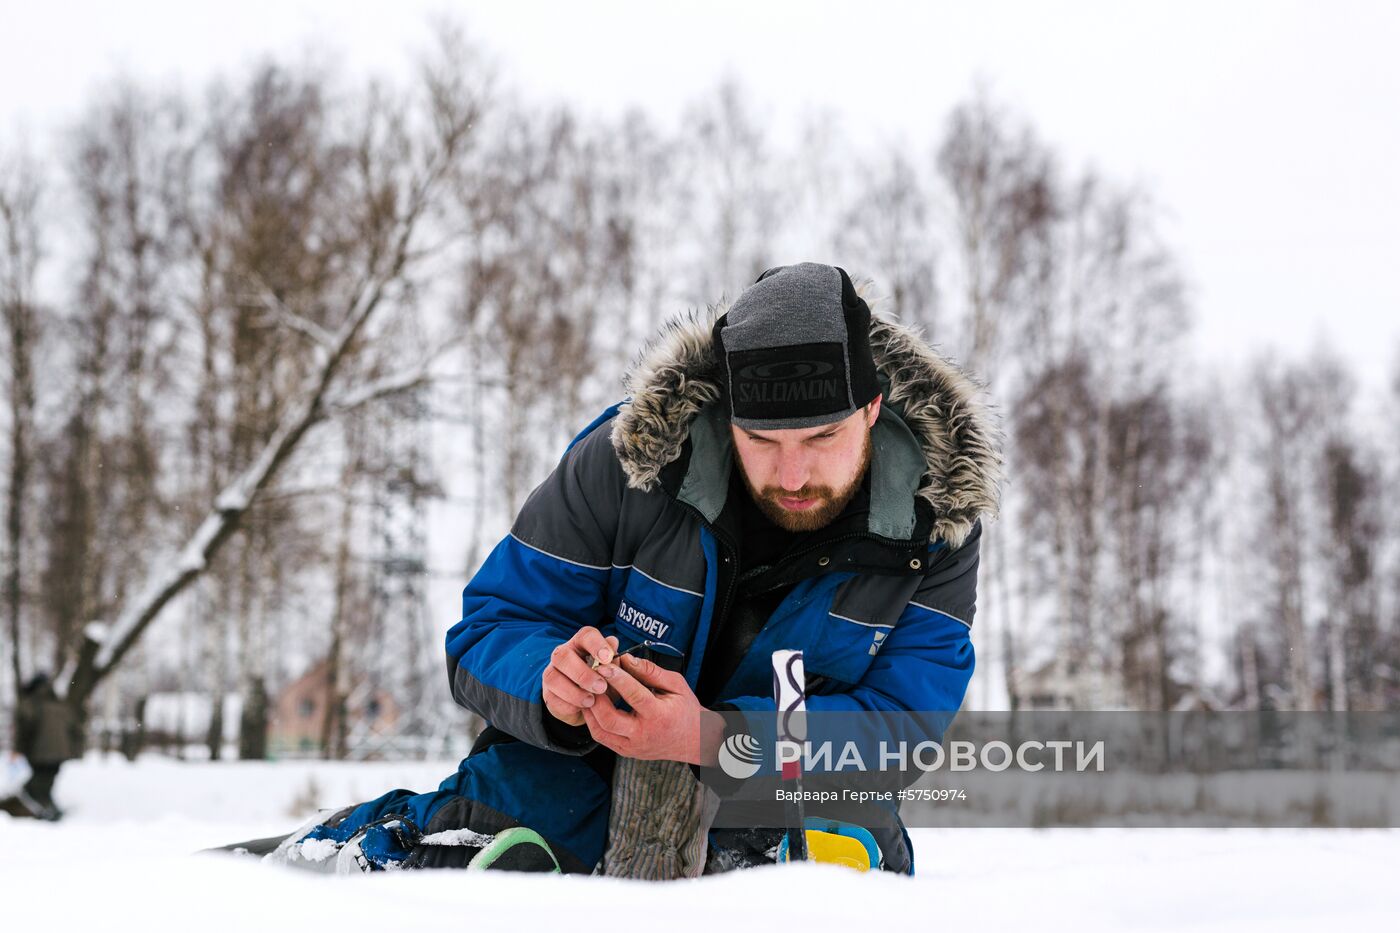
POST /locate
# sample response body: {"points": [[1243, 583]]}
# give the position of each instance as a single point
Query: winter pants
{"points": [[504, 783], [39, 787]]}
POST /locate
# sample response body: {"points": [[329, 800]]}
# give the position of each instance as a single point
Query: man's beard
{"points": [[818, 516]]}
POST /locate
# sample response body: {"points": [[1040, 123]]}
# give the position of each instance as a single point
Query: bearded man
{"points": [[787, 473]]}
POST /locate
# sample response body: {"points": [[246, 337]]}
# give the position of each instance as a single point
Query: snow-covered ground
{"points": [[124, 856]]}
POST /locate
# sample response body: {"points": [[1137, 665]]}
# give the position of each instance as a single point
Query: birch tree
{"points": [[20, 251]]}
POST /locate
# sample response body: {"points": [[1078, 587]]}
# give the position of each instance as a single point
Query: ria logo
{"points": [[793, 369], [740, 755]]}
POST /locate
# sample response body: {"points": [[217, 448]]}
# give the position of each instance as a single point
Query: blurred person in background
{"points": [[47, 734]]}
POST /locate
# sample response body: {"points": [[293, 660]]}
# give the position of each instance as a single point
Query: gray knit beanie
{"points": [[795, 348]]}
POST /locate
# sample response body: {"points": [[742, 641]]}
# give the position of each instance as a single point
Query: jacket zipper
{"points": [[732, 556], [716, 618]]}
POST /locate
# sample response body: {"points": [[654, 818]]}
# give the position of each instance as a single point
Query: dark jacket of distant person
{"points": [[47, 731]]}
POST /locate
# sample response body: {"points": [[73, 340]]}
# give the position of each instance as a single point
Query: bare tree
{"points": [[544, 292], [1107, 307], [727, 190], [1158, 459], [1002, 182], [888, 232], [399, 165], [1348, 486], [1290, 402], [20, 251], [1001, 185]]}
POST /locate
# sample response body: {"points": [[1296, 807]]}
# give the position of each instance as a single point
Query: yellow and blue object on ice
{"points": [[837, 843]]}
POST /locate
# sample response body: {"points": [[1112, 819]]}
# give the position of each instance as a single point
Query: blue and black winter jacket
{"points": [[626, 534]]}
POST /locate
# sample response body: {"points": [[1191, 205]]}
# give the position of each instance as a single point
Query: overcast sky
{"points": [[1269, 132]]}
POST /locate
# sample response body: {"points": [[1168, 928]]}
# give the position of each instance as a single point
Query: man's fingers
{"points": [[601, 735], [632, 690], [613, 719], [566, 661], [591, 641], [654, 675], [566, 713], [565, 689]]}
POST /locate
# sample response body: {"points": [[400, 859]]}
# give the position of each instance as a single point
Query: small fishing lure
{"points": [[594, 663]]}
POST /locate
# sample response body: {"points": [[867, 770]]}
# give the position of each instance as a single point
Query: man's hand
{"points": [[667, 722], [570, 686]]}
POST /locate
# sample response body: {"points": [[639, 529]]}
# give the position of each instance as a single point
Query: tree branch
{"points": [[237, 497], [324, 340], [392, 384]]}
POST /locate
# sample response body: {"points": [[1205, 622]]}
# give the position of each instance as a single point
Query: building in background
{"points": [[300, 719]]}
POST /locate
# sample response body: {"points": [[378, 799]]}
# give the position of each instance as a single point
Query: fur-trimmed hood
{"points": [[678, 375]]}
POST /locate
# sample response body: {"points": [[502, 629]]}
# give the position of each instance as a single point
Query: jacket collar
{"points": [[936, 443]]}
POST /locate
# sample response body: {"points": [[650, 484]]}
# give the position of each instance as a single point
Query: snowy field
{"points": [[124, 856]]}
